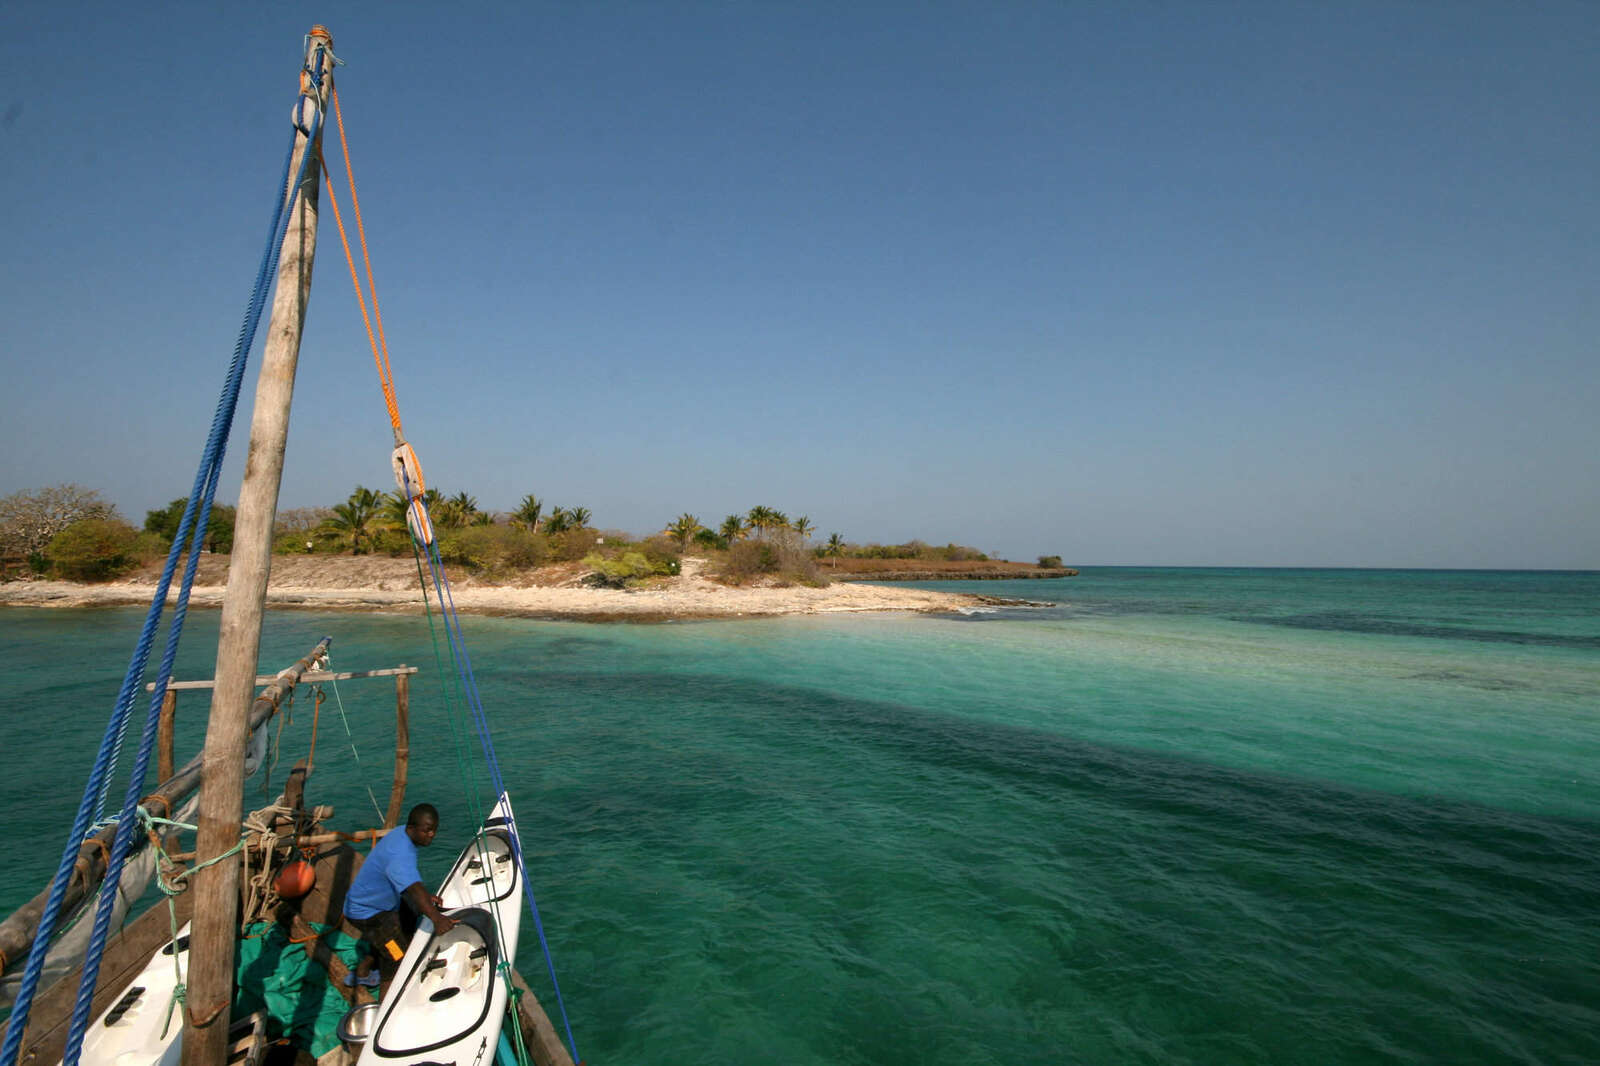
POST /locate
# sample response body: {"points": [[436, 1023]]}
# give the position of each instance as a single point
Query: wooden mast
{"points": [[216, 888]]}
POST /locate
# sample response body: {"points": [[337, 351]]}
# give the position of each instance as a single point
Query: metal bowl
{"points": [[356, 1026]]}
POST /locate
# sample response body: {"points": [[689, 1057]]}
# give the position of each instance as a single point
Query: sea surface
{"points": [[1174, 816]]}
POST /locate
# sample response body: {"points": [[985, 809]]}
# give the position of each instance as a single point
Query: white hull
{"points": [[448, 999], [129, 1033]]}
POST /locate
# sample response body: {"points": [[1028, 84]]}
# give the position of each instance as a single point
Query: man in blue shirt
{"points": [[388, 876]]}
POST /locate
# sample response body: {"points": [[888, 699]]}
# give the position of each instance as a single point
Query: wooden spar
{"points": [[16, 932], [216, 888], [402, 748], [313, 677]]}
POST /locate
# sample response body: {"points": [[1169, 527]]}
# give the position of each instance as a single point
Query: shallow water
{"points": [[1178, 816]]}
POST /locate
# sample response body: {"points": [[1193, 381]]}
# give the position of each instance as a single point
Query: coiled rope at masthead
{"points": [[408, 478]]}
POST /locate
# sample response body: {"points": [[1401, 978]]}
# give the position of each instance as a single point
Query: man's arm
{"points": [[428, 906]]}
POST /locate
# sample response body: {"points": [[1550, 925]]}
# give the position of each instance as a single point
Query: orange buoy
{"points": [[295, 879]]}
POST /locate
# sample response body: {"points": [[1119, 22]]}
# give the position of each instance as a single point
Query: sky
{"points": [[1221, 284]]}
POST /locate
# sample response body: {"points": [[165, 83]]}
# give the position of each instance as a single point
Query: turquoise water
{"points": [[1178, 816]]}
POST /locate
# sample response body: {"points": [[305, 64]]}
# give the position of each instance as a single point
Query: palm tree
{"points": [[732, 528], [557, 521], [447, 514], [528, 513], [482, 518], [394, 509], [684, 529], [468, 505], [353, 520], [579, 517], [835, 548], [803, 526], [762, 519]]}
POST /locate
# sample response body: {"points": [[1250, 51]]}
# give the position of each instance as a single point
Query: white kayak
{"points": [[448, 998], [130, 1032]]}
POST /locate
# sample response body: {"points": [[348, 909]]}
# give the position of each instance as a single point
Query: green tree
{"points": [[557, 521], [732, 528], [28, 520], [763, 519], [579, 517], [835, 548], [92, 549], [527, 515], [457, 512], [165, 521], [394, 510], [219, 527], [355, 522], [803, 526], [684, 529]]}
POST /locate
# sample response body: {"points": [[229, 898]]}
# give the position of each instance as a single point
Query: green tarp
{"points": [[280, 976]]}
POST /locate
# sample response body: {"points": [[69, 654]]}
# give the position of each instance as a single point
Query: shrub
{"points": [[617, 573], [493, 549], [915, 549], [148, 547], [573, 544], [780, 557], [393, 541], [1049, 562], [663, 553], [92, 549], [293, 543]]}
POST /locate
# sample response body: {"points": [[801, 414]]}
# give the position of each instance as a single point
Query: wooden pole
{"points": [[165, 759], [216, 888], [402, 748]]}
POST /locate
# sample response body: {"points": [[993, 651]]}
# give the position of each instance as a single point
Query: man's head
{"points": [[422, 823]]}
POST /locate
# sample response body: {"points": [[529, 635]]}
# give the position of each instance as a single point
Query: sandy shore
{"points": [[391, 585]]}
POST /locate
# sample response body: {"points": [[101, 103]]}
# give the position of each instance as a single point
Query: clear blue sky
{"points": [[1258, 283]]}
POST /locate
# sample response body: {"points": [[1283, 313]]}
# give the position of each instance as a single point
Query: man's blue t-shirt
{"points": [[388, 871]]}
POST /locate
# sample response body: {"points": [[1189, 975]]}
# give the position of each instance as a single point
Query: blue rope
{"points": [[128, 823], [458, 650], [200, 500]]}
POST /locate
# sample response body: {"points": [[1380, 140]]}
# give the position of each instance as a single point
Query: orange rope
{"points": [[380, 342], [388, 393]]}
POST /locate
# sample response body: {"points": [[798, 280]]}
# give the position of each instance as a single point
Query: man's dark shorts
{"points": [[385, 938]]}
